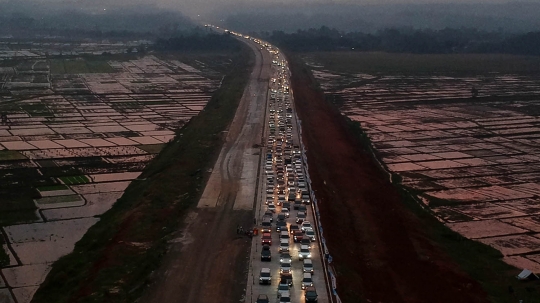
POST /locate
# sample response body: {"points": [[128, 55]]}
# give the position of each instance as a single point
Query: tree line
{"points": [[406, 40]]}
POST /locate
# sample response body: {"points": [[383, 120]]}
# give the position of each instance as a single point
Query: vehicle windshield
{"points": [[283, 287]]}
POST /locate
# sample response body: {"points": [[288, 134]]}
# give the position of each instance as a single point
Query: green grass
{"points": [[481, 262], [52, 187], [99, 66], [76, 66], [80, 66], [71, 180], [59, 199], [57, 66], [392, 63], [149, 210], [152, 148], [11, 155], [17, 208]]}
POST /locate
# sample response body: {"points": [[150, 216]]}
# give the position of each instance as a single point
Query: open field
{"points": [[379, 63], [70, 147], [79, 66], [471, 161], [113, 261]]}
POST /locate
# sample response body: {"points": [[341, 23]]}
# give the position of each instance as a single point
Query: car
{"points": [[281, 226], [297, 204], [306, 241], [285, 298], [283, 245], [300, 217], [272, 207], [302, 208], [285, 267], [262, 299], [285, 258], [283, 290], [266, 238], [292, 194], [293, 228], [265, 277], [307, 280], [306, 225], [266, 254], [266, 226], [311, 234], [281, 217], [285, 211], [304, 252], [268, 214], [310, 294], [286, 205], [286, 278], [307, 266], [298, 236]]}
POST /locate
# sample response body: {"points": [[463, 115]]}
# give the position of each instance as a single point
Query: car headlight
{"points": [[309, 255]]}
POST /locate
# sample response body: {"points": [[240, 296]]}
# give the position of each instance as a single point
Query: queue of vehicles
{"points": [[286, 200]]}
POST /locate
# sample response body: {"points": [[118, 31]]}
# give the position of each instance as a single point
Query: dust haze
{"points": [[289, 16]]}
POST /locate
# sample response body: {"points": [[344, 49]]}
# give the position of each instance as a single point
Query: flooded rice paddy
{"points": [[71, 143], [473, 162]]}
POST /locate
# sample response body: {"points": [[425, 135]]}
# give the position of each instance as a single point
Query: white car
{"points": [[285, 299], [311, 235], [285, 258], [283, 290], [283, 245], [304, 252], [306, 225]]}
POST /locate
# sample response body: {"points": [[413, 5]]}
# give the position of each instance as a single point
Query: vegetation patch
{"points": [[52, 187], [59, 199], [152, 148], [79, 66], [105, 266], [11, 155], [71, 180], [396, 63]]}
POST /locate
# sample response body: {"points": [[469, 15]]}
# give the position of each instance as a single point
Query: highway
{"points": [[282, 144], [208, 261]]}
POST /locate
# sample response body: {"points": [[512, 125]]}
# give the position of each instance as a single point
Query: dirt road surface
{"points": [[207, 262], [381, 251]]}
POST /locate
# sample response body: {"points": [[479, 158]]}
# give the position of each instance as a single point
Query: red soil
{"points": [[381, 250]]}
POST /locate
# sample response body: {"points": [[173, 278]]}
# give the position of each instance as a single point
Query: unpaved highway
{"points": [[207, 261]]}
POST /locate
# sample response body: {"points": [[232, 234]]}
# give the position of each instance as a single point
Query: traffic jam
{"points": [[288, 247]]}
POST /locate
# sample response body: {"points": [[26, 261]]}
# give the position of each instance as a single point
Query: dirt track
{"points": [[208, 261], [381, 251]]}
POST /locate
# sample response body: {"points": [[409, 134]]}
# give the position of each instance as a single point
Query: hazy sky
{"points": [[192, 7]]}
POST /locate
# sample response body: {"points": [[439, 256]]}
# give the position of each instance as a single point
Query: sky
{"points": [[193, 7]]}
